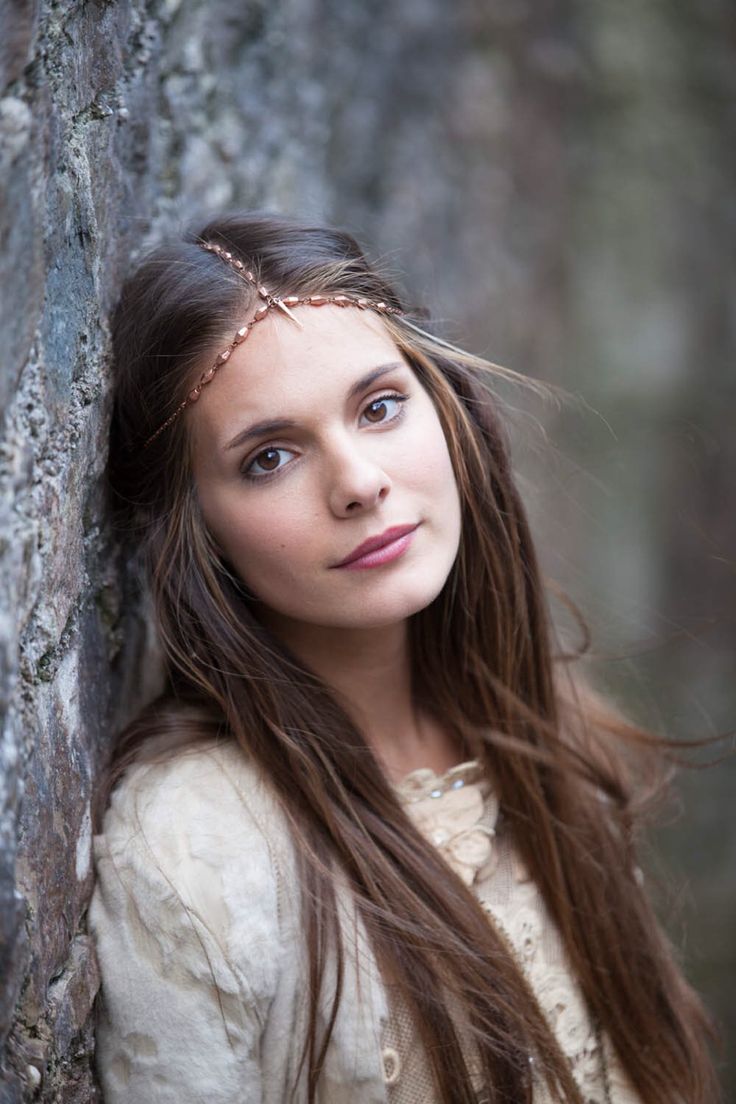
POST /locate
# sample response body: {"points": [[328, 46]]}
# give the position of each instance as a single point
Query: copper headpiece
{"points": [[271, 302]]}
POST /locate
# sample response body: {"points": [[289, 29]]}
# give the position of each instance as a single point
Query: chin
{"points": [[377, 611]]}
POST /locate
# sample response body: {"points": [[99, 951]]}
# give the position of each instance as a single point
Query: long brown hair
{"points": [[569, 770]]}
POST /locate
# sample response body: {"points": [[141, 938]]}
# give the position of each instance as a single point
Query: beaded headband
{"points": [[271, 302]]}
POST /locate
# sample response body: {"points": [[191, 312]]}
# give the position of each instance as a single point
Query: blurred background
{"points": [[556, 181]]}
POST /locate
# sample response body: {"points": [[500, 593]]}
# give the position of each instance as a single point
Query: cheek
{"points": [[247, 531], [260, 538], [431, 463]]}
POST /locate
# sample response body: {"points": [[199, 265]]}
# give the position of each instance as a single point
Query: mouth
{"points": [[379, 549]]}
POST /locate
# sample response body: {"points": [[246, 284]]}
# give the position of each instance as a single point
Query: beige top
{"points": [[196, 920], [458, 811]]}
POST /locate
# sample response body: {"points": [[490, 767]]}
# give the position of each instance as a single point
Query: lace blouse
{"points": [[458, 811], [197, 925]]}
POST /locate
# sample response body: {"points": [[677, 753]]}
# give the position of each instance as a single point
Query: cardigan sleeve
{"points": [[185, 924]]}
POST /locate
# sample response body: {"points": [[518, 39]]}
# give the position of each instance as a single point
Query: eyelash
{"points": [[275, 448]]}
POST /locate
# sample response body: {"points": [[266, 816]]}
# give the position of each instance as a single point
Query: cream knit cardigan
{"points": [[195, 918]]}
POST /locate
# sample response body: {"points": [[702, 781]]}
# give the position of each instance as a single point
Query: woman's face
{"points": [[359, 457]]}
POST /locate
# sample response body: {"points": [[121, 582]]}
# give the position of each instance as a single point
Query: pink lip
{"points": [[367, 553]]}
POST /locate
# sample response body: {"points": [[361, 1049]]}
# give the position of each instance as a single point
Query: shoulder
{"points": [[188, 929], [209, 796], [209, 779], [194, 839]]}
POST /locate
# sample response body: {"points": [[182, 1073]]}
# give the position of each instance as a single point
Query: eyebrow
{"points": [[278, 424]]}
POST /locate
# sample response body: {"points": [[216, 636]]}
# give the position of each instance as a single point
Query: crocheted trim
{"points": [[457, 811]]}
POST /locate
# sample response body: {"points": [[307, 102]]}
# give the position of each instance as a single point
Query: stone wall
{"points": [[116, 120]]}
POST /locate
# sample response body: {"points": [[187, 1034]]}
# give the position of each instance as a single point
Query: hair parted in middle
{"points": [[572, 775]]}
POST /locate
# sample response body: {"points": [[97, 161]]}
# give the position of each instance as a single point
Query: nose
{"points": [[356, 478]]}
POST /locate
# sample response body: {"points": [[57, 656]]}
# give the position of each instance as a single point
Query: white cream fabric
{"points": [[458, 811], [196, 921]]}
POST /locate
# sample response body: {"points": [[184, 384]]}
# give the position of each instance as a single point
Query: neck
{"points": [[369, 671]]}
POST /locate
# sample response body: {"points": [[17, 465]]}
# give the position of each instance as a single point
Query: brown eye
{"points": [[259, 461], [274, 453], [266, 463], [378, 406]]}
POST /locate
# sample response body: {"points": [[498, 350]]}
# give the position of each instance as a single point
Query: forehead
{"points": [[280, 366]]}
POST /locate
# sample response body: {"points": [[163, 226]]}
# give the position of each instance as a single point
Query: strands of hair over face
{"points": [[570, 772]]}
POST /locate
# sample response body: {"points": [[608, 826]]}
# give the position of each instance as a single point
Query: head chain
{"points": [[270, 302]]}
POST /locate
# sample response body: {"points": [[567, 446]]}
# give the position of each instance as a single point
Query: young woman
{"points": [[376, 840]]}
